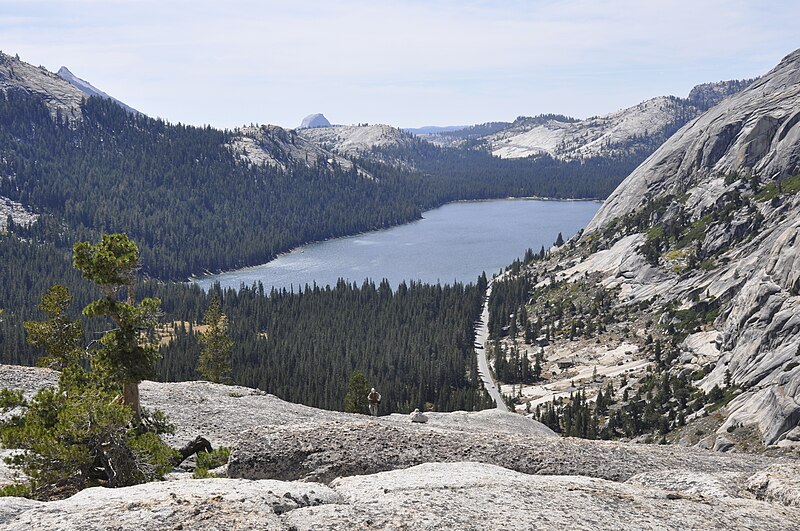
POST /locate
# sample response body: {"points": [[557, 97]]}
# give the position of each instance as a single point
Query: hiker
{"points": [[418, 416], [374, 398]]}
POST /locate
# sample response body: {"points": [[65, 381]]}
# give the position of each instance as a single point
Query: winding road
{"points": [[481, 337]]}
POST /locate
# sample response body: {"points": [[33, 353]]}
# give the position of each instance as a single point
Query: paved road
{"points": [[481, 336]]}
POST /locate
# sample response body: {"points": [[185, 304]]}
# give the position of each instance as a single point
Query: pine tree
{"points": [[355, 401], [77, 434], [600, 403], [126, 356], [214, 362], [58, 336]]}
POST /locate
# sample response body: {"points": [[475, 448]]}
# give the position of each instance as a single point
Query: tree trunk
{"points": [[130, 397]]}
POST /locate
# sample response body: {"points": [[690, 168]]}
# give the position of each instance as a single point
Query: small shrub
{"points": [[210, 460], [156, 421], [18, 490], [155, 457], [787, 186]]}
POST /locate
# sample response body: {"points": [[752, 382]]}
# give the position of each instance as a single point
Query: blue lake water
{"points": [[455, 242]]}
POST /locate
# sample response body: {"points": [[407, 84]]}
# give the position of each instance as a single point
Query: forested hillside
{"points": [[177, 190], [463, 173], [193, 205]]}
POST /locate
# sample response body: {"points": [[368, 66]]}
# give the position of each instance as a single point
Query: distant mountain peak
{"points": [[64, 73], [89, 89], [314, 120]]}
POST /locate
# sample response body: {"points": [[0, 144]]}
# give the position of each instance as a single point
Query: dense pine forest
{"points": [[414, 344], [463, 173]]}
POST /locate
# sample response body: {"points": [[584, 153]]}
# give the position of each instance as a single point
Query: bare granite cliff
{"points": [[59, 95], [711, 221], [636, 130], [62, 92], [283, 148], [358, 140], [89, 89]]}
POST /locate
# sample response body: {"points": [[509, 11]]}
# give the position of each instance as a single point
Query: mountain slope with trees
{"points": [[678, 306], [200, 199]]}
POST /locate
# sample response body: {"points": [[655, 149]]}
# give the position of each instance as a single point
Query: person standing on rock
{"points": [[374, 399]]}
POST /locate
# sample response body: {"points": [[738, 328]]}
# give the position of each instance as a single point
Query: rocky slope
{"points": [[747, 146], [700, 246], [706, 95], [59, 95], [357, 140], [62, 92], [635, 130], [16, 211], [387, 473], [278, 147], [753, 132], [325, 450]]}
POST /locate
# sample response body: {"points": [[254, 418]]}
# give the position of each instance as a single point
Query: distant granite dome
{"points": [[314, 120]]}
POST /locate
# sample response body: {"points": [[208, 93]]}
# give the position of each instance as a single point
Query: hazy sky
{"points": [[406, 63]]}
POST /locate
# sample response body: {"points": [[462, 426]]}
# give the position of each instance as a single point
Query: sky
{"points": [[406, 63]]}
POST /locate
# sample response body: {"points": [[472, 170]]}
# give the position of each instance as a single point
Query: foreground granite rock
{"points": [[431, 496], [222, 413], [477, 496], [388, 473], [779, 483], [326, 450], [183, 504]]}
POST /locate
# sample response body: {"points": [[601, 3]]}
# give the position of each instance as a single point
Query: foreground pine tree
{"points": [[126, 354], [89, 429]]}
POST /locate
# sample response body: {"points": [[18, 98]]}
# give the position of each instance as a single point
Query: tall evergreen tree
{"points": [[76, 434], [59, 336], [214, 363], [126, 354]]}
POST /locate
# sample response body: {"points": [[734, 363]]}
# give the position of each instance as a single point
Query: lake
{"points": [[455, 242]]}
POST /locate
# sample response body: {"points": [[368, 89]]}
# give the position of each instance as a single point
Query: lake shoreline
{"points": [[480, 220]]}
